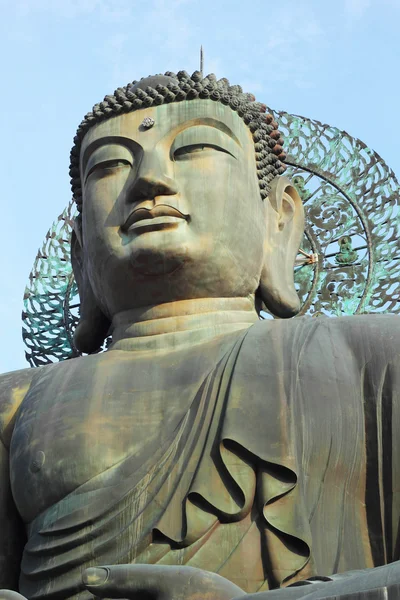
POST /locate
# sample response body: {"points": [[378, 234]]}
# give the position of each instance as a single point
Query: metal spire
{"points": [[201, 60]]}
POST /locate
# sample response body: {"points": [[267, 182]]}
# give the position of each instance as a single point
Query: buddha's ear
{"points": [[93, 325], [284, 231]]}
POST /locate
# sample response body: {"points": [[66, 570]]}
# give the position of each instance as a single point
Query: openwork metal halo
{"points": [[349, 261]]}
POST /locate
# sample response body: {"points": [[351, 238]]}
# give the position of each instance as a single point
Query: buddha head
{"points": [[180, 188]]}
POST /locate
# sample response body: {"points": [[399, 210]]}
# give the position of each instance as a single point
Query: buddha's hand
{"points": [[158, 582], [10, 595]]}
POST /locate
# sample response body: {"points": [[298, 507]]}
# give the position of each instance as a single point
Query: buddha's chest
{"points": [[68, 433]]}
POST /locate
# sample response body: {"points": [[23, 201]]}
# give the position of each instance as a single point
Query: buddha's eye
{"points": [[106, 167], [196, 149]]}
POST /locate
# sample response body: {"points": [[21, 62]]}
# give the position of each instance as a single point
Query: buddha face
{"points": [[172, 211]]}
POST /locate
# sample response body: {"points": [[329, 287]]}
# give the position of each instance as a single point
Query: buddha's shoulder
{"points": [[358, 333], [13, 389], [319, 350], [15, 385], [366, 323]]}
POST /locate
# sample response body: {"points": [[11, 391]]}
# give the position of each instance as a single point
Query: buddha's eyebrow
{"points": [[132, 144], [103, 141], [209, 122]]}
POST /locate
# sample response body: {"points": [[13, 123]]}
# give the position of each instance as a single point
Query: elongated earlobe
{"points": [[285, 227], [93, 325]]}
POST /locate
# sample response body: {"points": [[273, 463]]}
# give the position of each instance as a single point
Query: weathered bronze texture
{"points": [[354, 195], [207, 454]]}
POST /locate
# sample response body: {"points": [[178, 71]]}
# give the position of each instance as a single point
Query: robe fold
{"points": [[286, 465]]}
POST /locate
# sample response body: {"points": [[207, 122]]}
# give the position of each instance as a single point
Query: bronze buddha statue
{"points": [[206, 453]]}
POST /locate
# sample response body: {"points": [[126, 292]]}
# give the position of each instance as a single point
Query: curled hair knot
{"points": [[192, 94], [197, 76], [204, 94]]}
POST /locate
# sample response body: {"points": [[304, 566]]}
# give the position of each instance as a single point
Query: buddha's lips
{"points": [[160, 210]]}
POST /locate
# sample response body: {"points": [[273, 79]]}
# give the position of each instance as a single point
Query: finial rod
{"points": [[201, 60]]}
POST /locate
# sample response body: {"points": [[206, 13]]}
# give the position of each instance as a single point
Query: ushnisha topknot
{"points": [[162, 89]]}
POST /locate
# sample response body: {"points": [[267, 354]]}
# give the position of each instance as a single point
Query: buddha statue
{"points": [[207, 453]]}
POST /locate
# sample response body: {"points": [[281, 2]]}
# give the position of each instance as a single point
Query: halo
{"points": [[349, 262]]}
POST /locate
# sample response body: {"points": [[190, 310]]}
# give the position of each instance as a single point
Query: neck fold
{"points": [[176, 325]]}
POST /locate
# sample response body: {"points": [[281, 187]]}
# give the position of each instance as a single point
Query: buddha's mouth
{"points": [[157, 215]]}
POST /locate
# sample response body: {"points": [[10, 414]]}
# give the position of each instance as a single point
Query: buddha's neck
{"points": [[179, 325]]}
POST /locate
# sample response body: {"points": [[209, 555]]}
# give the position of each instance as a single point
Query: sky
{"points": [[336, 61]]}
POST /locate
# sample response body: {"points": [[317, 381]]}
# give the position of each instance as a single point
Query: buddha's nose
{"points": [[151, 180]]}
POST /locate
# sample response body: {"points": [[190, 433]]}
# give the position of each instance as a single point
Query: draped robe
{"points": [[285, 465]]}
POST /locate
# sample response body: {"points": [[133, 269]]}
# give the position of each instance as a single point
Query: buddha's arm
{"points": [[13, 387], [11, 533]]}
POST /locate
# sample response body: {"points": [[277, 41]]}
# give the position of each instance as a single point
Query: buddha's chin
{"points": [[155, 254], [145, 263]]}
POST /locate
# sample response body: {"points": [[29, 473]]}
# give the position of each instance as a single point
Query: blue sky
{"points": [[333, 60]]}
